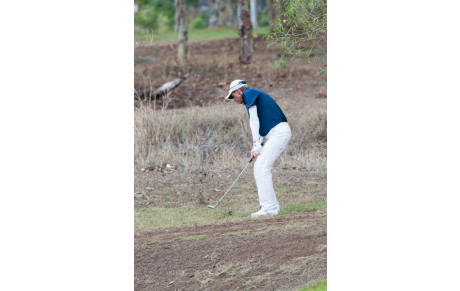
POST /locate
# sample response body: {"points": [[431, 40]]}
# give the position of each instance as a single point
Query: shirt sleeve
{"points": [[254, 124]]}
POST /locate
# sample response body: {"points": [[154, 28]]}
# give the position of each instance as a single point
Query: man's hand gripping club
{"points": [[256, 150]]}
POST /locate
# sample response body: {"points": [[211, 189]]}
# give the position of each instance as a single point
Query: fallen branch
{"points": [[165, 88]]}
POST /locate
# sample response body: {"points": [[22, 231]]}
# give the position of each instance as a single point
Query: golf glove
{"points": [[257, 147]]}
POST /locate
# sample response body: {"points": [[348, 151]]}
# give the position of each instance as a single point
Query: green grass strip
{"points": [[193, 237], [145, 36], [320, 286], [160, 217]]}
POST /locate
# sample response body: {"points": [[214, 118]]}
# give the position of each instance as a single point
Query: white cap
{"points": [[236, 84]]}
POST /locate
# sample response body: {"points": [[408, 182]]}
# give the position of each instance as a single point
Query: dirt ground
{"points": [[284, 252], [213, 64], [279, 258]]}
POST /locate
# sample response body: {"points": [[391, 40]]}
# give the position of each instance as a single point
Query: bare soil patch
{"points": [[282, 252], [275, 253]]}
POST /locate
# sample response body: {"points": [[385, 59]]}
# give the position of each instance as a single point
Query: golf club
{"points": [[214, 206]]}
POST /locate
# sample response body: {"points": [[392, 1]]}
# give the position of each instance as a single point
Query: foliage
{"points": [[146, 18], [199, 22], [302, 25], [159, 15], [263, 19], [155, 14]]}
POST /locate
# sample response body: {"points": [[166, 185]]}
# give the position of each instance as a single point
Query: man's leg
{"points": [[263, 166]]}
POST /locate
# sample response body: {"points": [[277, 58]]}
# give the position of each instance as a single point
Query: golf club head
{"points": [[211, 206]]}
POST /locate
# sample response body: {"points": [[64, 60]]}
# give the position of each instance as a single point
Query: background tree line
{"points": [[160, 15], [295, 25]]}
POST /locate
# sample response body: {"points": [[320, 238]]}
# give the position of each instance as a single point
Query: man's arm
{"points": [[255, 125]]}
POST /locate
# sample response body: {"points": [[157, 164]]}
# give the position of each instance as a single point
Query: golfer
{"points": [[266, 121]]}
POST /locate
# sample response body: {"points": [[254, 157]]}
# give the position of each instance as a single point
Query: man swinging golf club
{"points": [[266, 120]]}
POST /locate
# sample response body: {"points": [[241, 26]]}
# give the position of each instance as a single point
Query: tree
{"points": [[272, 13], [182, 32], [176, 17], [154, 13], [220, 13], [303, 23], [253, 9], [245, 29]]}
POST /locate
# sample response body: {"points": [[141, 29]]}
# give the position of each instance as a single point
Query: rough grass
{"points": [[160, 217], [188, 137], [219, 136]]}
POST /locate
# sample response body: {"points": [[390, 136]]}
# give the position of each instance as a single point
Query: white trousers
{"points": [[277, 139]]}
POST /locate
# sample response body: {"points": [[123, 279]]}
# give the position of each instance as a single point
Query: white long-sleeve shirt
{"points": [[255, 125]]}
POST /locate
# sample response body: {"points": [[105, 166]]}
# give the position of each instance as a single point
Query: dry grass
{"points": [[219, 136]]}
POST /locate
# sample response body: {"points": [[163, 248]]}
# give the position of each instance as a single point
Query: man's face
{"points": [[238, 96]]}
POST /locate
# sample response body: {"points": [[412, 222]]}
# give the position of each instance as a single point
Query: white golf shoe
{"points": [[265, 213]]}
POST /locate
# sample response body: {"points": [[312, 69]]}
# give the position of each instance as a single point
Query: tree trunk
{"points": [[214, 12], [176, 17], [159, 92], [182, 48], [245, 29], [253, 9], [226, 13], [220, 13]]}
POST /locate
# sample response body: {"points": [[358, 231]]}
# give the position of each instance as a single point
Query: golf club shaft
{"points": [[233, 183]]}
